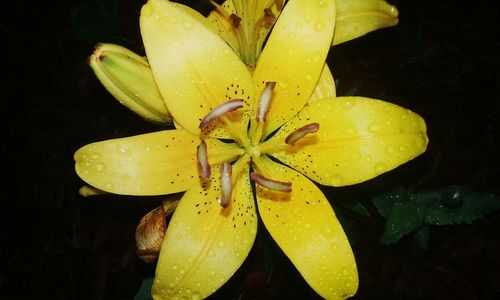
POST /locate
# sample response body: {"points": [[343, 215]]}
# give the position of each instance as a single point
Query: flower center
{"points": [[250, 21], [253, 151]]}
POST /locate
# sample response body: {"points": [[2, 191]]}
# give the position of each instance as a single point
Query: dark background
{"points": [[441, 61]]}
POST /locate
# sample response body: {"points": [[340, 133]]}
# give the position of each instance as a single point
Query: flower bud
{"points": [[356, 18], [128, 77], [151, 230]]}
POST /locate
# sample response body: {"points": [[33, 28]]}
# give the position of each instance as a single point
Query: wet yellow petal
{"points": [[194, 68], [325, 88], [219, 17], [305, 227], [294, 57], [359, 17], [150, 164], [358, 139], [127, 76], [205, 243]]}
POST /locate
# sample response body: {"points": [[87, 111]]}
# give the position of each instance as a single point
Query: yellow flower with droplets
{"points": [[244, 26], [242, 129]]}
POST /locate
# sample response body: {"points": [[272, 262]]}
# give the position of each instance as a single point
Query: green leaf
{"points": [[464, 206], [355, 209], [385, 202], [405, 217], [144, 292]]}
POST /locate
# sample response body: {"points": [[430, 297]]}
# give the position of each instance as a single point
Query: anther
{"points": [[298, 134], [235, 21], [275, 185], [203, 165], [265, 101], [226, 184], [220, 110]]}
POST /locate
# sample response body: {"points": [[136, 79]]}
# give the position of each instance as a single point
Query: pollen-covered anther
{"points": [[265, 101], [298, 134], [275, 185], [203, 165], [235, 21], [226, 184], [220, 110]]}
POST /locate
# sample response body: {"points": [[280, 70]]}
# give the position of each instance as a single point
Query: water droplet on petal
{"points": [[100, 167], [187, 24], [319, 26], [347, 104], [373, 128]]}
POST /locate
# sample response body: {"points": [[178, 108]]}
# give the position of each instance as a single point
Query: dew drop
{"points": [[108, 185], [100, 167], [195, 296], [319, 26], [174, 267], [96, 155], [188, 25], [347, 104], [211, 253], [328, 232], [178, 236], [299, 25], [221, 244], [336, 180], [309, 77], [373, 128]]}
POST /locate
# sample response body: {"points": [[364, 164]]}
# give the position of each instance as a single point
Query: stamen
{"points": [[265, 101], [295, 136], [203, 165], [269, 18], [235, 21], [220, 110], [275, 185], [226, 184]]}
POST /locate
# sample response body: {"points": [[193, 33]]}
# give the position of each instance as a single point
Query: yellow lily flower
{"points": [[215, 158], [245, 24]]}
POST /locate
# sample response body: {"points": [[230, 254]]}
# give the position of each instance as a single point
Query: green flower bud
{"points": [[127, 76]]}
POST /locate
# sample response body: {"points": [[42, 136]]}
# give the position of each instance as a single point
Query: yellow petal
{"points": [[325, 88], [150, 164], [294, 57], [194, 69], [358, 139], [359, 17], [219, 17], [305, 227], [205, 243]]}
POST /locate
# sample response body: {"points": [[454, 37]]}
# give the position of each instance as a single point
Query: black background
{"points": [[441, 61]]}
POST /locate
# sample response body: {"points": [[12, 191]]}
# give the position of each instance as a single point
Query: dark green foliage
{"points": [[407, 212], [144, 292]]}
